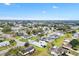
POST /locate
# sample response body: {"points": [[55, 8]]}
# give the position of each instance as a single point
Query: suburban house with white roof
{"points": [[27, 50], [59, 33], [5, 43], [76, 35], [39, 44]]}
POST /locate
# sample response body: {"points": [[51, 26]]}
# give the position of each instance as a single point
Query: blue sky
{"points": [[40, 11]]}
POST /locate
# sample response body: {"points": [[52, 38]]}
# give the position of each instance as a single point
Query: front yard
{"points": [[4, 48], [58, 42], [40, 51]]}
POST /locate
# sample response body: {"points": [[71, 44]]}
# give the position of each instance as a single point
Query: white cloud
{"points": [[16, 18], [7, 4], [61, 18], [55, 7]]}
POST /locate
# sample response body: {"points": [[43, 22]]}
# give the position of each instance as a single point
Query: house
{"points": [[74, 27], [52, 37], [19, 34], [5, 43], [27, 50], [57, 51], [1, 32], [44, 39], [43, 44], [1, 38], [7, 35], [1, 28], [49, 38], [39, 44], [25, 36], [76, 35], [59, 33], [67, 46], [15, 29], [66, 43], [45, 28]]}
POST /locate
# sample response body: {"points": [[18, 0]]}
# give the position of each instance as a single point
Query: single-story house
{"points": [[44, 39], [59, 33], [1, 28], [76, 35], [7, 35], [66, 41], [15, 29], [39, 44], [53, 36], [1, 38], [1, 32], [68, 46], [49, 38], [19, 34], [25, 36], [27, 50], [57, 51], [5, 43]]}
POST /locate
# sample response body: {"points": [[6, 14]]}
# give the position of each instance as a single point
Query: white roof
{"points": [[55, 47], [67, 40], [37, 43], [5, 43]]}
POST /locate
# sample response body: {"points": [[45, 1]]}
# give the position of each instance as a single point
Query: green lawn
{"points": [[7, 39], [17, 37], [15, 51], [34, 38], [40, 51], [68, 35], [58, 42], [13, 44], [23, 40], [77, 30], [4, 48]]}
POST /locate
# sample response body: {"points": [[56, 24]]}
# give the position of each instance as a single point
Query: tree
{"points": [[26, 44], [6, 29], [75, 44], [1, 40], [34, 31], [13, 52], [41, 34], [12, 42], [73, 31], [28, 31]]}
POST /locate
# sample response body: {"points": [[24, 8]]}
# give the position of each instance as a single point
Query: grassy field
{"points": [[34, 38], [58, 42], [40, 51], [77, 30], [23, 40], [68, 35], [17, 37], [4, 47]]}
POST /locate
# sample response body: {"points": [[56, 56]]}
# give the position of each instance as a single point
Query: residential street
{"points": [[19, 43], [2, 53]]}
